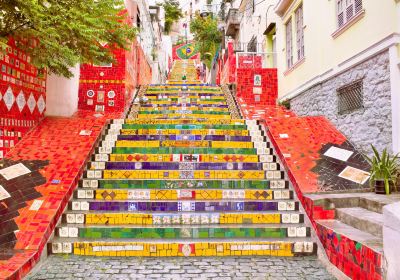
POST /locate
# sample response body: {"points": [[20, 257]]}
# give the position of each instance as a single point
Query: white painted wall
{"points": [[62, 94], [254, 24], [395, 92], [391, 237]]}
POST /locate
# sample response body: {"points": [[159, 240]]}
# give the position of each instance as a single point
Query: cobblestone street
{"points": [[75, 267]]}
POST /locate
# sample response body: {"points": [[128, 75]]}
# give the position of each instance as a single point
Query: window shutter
{"points": [[358, 6], [299, 33], [349, 9], [340, 12], [289, 45]]}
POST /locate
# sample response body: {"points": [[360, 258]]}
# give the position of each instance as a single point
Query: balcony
{"points": [[232, 22], [248, 47]]}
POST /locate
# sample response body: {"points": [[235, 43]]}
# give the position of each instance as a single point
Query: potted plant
{"points": [[384, 170]]}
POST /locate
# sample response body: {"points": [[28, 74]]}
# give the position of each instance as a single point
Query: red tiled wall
{"points": [[269, 85], [19, 81], [250, 62], [228, 68], [131, 69], [102, 80]]}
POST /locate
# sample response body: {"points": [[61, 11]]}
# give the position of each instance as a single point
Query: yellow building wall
{"points": [[322, 51]]}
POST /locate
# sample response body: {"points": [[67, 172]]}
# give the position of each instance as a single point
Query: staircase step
{"points": [[361, 219], [183, 231], [182, 184], [362, 237], [162, 248], [174, 206], [183, 158], [188, 218], [183, 194], [182, 150], [183, 176]]}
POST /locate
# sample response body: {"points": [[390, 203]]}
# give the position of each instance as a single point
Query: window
{"points": [[347, 9], [300, 32], [289, 44], [249, 8], [350, 97]]}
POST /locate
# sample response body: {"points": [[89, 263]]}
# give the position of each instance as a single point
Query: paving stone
{"points": [[265, 268]]}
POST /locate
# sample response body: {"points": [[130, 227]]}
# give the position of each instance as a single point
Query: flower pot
{"points": [[380, 187]]}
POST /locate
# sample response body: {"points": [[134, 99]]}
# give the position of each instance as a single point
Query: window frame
{"points": [[343, 9], [299, 17], [289, 42]]}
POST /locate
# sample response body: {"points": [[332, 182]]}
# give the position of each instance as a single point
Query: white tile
{"points": [[81, 194], [338, 153], [67, 248], [56, 248], [36, 205], [14, 171], [294, 218], [71, 219], [3, 193]]}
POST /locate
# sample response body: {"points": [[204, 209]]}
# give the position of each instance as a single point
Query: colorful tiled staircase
{"points": [[183, 175]]}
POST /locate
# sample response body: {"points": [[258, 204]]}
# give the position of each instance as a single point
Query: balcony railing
{"points": [[232, 22], [255, 60], [248, 47]]}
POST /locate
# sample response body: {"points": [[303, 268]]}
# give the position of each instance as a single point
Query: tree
{"points": [[207, 36], [173, 13], [67, 31]]}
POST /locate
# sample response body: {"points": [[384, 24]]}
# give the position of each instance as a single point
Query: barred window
{"points": [[347, 9], [350, 97]]}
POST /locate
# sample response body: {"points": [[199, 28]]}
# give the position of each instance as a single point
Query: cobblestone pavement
{"points": [[75, 267]]}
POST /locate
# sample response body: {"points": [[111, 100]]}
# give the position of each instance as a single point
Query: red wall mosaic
{"points": [[110, 88], [354, 259], [64, 152], [22, 96], [299, 142], [228, 66], [249, 62], [264, 94]]}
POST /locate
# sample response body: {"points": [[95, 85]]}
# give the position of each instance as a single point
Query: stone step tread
{"points": [[188, 226], [184, 200], [185, 180], [363, 214], [352, 233], [67, 211], [181, 240]]}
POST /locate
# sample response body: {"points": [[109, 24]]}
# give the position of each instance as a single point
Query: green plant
{"points": [[207, 37], [285, 103], [173, 13], [68, 32], [383, 167]]}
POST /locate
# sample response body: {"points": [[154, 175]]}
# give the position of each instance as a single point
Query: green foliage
{"points": [[383, 167], [68, 31], [207, 36], [173, 13], [285, 103]]}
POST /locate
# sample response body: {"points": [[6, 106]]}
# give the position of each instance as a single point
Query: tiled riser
{"points": [[183, 194], [283, 249], [183, 206], [181, 219], [183, 175], [174, 233], [193, 184]]}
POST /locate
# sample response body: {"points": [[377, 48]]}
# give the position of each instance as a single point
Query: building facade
{"points": [[341, 59]]}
